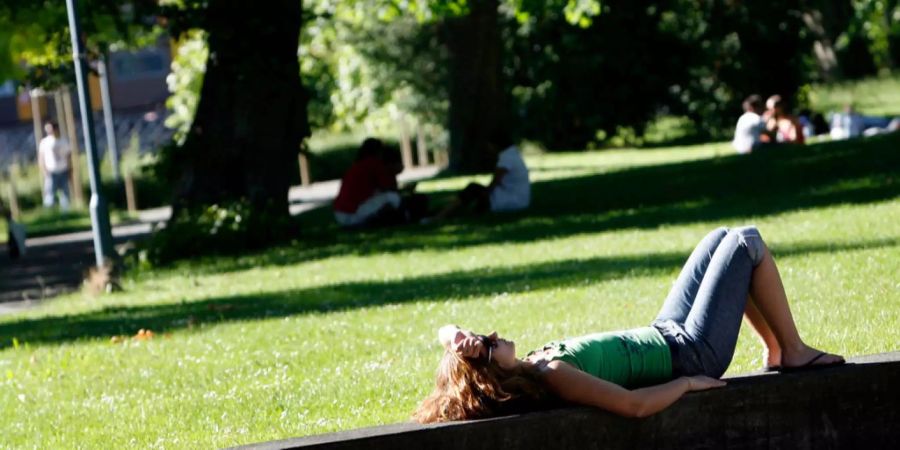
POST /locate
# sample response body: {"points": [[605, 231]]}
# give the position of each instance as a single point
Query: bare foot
{"points": [[808, 356]]}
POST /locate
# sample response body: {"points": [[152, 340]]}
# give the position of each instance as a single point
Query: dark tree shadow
{"points": [[127, 320]]}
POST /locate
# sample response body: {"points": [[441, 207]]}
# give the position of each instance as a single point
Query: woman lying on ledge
{"points": [[642, 371]]}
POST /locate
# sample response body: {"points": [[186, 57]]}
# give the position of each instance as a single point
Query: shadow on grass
{"points": [[127, 320], [718, 189]]}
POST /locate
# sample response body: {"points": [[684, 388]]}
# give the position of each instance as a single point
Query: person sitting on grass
{"points": [[509, 189], [784, 127], [369, 187], [750, 126], [730, 274]]}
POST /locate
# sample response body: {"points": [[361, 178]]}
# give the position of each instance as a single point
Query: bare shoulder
{"points": [[557, 370]]}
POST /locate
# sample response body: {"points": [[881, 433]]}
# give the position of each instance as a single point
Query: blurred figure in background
{"points": [[849, 124], [368, 188], [782, 126], [750, 126], [369, 194], [509, 189], [55, 162]]}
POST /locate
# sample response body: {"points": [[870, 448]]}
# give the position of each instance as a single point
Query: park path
{"points": [[54, 265]]}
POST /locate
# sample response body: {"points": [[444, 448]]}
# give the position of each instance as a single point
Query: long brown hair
{"points": [[475, 389]]}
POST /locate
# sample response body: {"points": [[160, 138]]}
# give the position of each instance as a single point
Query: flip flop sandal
{"points": [[810, 365]]}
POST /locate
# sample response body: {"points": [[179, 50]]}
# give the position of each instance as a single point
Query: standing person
{"points": [[369, 187], [635, 373], [784, 127], [509, 189], [750, 126], [55, 162]]}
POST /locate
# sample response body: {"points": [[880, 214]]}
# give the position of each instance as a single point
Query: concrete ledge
{"points": [[852, 406]]}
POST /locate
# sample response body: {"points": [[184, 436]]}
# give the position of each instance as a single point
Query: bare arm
{"points": [[576, 386]]}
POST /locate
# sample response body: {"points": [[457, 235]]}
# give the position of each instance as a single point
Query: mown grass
{"points": [[337, 330], [874, 97]]}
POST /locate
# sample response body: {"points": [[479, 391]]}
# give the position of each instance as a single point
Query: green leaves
{"points": [[36, 33]]}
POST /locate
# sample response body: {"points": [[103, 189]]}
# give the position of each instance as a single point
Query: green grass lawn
{"points": [[337, 330], [874, 96]]}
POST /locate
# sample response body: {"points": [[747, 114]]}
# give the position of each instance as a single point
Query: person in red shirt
{"points": [[369, 187], [783, 127]]}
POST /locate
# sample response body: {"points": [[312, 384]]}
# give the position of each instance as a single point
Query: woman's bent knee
{"points": [[749, 237]]}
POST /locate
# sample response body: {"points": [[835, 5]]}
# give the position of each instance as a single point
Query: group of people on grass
{"points": [[766, 125], [370, 195]]}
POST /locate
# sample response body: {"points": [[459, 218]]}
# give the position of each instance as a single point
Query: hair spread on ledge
{"points": [[472, 389]]}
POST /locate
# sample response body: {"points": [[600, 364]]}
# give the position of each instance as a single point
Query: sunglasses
{"points": [[489, 344]]}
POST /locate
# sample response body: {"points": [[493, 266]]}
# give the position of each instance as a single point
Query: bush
{"points": [[217, 229]]}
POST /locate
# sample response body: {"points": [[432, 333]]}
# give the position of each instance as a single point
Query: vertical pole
{"points": [[130, 197], [64, 130], [304, 168], [78, 193], [421, 147], [111, 148], [99, 213], [36, 118], [60, 118], [405, 145], [13, 197]]}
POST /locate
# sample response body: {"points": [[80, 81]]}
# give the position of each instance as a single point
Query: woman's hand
{"points": [[469, 347], [702, 383]]}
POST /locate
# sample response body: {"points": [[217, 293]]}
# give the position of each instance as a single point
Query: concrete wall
{"points": [[852, 406]]}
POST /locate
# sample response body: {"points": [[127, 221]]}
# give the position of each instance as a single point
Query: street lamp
{"points": [[99, 211]]}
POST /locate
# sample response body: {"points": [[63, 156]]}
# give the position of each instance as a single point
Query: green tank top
{"points": [[631, 358]]}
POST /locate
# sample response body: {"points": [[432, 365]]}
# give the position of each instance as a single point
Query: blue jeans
{"points": [[702, 314], [54, 182]]}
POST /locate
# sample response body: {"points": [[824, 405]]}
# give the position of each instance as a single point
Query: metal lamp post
{"points": [[99, 211]]}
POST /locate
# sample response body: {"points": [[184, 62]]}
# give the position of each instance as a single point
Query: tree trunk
{"points": [[477, 98], [823, 48], [251, 116]]}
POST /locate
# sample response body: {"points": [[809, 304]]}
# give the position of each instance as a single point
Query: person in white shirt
{"points": [[750, 126], [509, 190], [55, 162]]}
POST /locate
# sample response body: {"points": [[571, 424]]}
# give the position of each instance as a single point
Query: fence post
{"points": [[77, 193], [13, 199], [304, 168], [405, 145], [421, 147], [130, 197]]}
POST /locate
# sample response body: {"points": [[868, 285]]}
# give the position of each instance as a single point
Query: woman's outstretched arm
{"points": [[576, 386]]}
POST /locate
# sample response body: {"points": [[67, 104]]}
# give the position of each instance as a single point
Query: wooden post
{"points": [[130, 197], [77, 194], [421, 148], [36, 119], [60, 117], [405, 145], [13, 198], [304, 168], [64, 130]]}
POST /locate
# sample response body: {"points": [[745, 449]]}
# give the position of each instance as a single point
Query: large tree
{"points": [[477, 94], [251, 116]]}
